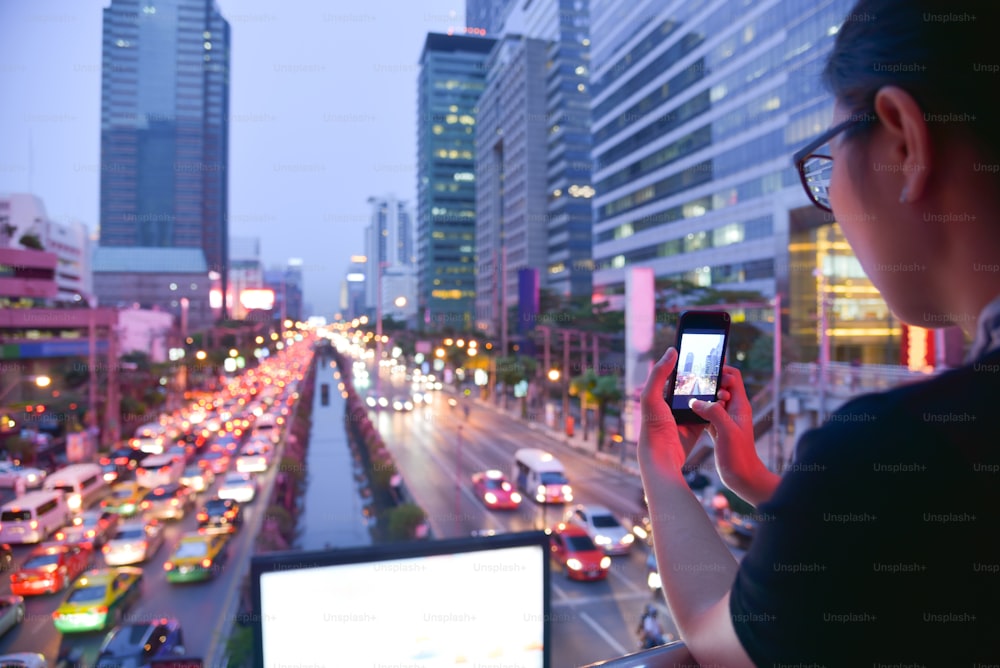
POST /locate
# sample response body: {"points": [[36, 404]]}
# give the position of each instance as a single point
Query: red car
{"points": [[50, 568], [575, 551], [495, 490]]}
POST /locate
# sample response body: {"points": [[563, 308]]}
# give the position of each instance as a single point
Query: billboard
{"points": [[257, 299]]}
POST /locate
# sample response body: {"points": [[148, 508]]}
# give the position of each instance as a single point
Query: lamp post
{"points": [[40, 381]]}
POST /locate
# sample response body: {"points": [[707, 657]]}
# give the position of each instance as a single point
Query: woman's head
{"points": [[909, 185]]}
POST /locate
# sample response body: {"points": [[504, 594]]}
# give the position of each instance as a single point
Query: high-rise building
{"points": [[353, 290], [246, 272], [286, 282], [452, 77], [511, 166], [565, 224], [388, 240], [697, 107], [164, 128], [486, 15]]}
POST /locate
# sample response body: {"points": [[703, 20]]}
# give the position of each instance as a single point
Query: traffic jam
{"points": [[92, 527]]}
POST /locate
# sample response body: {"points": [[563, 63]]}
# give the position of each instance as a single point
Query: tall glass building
{"points": [[452, 77], [164, 127], [697, 107]]}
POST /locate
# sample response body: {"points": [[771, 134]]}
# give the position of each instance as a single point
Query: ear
{"points": [[910, 140]]}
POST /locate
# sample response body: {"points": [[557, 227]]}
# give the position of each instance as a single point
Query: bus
{"points": [[541, 476]]}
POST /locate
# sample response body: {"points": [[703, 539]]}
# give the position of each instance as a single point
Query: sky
{"points": [[323, 108]]}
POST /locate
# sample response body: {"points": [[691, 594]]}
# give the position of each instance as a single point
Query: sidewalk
{"points": [[623, 456]]}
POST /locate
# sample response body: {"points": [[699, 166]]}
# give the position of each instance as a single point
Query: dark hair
{"points": [[942, 52]]}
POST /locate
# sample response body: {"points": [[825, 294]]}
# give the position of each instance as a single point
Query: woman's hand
{"points": [[731, 427]]}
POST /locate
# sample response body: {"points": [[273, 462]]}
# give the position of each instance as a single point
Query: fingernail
{"points": [[698, 403]]}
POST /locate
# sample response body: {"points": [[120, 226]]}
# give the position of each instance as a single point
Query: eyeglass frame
{"points": [[809, 151]]}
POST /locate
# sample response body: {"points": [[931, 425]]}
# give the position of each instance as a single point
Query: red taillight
{"points": [[91, 533], [144, 505], [164, 469], [202, 517], [60, 535], [102, 609], [175, 502], [106, 549], [206, 563], [105, 461], [167, 566], [230, 513], [140, 471]]}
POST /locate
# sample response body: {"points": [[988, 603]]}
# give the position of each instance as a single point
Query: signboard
{"points": [[257, 299], [80, 447]]}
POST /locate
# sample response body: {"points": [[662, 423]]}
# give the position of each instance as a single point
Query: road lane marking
{"points": [[618, 647]]}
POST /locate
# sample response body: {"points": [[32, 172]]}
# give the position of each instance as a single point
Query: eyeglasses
{"points": [[816, 166]]}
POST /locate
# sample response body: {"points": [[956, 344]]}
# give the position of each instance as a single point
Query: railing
{"points": [[843, 378], [671, 655]]}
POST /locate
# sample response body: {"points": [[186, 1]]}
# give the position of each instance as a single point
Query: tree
{"points": [[512, 370], [597, 390], [29, 240]]}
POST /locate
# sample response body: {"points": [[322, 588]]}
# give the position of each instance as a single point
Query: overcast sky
{"points": [[323, 115]]}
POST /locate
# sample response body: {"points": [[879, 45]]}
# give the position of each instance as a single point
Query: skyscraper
{"points": [[164, 128], [390, 254], [486, 15], [452, 77]]}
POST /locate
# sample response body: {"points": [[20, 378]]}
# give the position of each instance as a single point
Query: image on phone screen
{"points": [[698, 365]]}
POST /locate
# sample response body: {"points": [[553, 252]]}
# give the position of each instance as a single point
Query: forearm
{"points": [[696, 567], [755, 488]]}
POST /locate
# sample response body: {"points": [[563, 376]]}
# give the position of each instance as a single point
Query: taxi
{"points": [[197, 557], [574, 550], [493, 488], [124, 498], [98, 600], [50, 568]]}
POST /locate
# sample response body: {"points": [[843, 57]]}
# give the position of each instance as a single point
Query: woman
{"points": [[876, 547]]}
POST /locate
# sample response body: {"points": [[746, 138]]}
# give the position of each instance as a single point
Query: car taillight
{"points": [[105, 461], [167, 566], [175, 502], [106, 549], [144, 504], [91, 533], [140, 471], [102, 609], [206, 563], [202, 517], [230, 513], [60, 535]]}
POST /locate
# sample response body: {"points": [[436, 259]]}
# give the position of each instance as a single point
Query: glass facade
{"points": [[452, 77], [164, 127], [697, 107]]}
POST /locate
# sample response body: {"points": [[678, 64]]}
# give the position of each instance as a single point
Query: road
{"points": [[201, 608], [437, 450]]}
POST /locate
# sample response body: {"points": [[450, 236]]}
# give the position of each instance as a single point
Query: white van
{"points": [[159, 470], [541, 476], [32, 517], [154, 445], [83, 484]]}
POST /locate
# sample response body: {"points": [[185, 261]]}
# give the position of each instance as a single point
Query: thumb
{"points": [[713, 411]]}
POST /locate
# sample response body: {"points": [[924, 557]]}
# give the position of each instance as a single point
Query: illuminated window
{"points": [[451, 119], [618, 261], [437, 129]]}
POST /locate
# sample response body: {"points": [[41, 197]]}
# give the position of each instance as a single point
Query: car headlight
{"points": [[574, 564], [605, 562], [653, 580], [602, 540], [515, 497], [628, 539], [490, 497]]}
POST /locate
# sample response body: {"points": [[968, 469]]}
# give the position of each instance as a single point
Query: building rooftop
{"points": [[146, 260]]}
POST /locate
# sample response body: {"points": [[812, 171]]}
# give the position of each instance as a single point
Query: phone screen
{"points": [[698, 366]]}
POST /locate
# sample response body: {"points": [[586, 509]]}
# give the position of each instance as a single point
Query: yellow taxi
{"points": [[124, 498], [98, 600], [197, 557]]}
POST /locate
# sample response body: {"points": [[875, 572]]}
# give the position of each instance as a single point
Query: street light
{"points": [[41, 381], [554, 375]]}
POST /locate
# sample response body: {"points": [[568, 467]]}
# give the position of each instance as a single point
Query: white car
{"points": [[603, 527], [253, 459], [240, 487], [10, 472], [11, 614], [198, 478], [134, 542]]}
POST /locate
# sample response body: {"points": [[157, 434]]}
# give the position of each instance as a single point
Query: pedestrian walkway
{"points": [[333, 513]]}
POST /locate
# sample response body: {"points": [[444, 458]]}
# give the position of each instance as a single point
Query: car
{"points": [[11, 613], [228, 443], [253, 459], [240, 487], [98, 600], [24, 660], [140, 643], [197, 478], [197, 557], [493, 488], [91, 526], [220, 515], [124, 460], [653, 580], [184, 452], [124, 498], [577, 554], [10, 472], [110, 472], [167, 502], [401, 403], [6, 557], [49, 568], [603, 527], [134, 542], [217, 461]]}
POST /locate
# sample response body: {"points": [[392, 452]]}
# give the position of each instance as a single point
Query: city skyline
{"points": [[302, 160]]}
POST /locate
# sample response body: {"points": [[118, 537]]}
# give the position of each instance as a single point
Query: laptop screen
{"points": [[460, 602]]}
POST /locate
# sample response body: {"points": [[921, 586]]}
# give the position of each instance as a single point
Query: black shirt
{"points": [[880, 544]]}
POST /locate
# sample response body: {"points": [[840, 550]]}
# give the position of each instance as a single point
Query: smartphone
{"points": [[702, 337]]}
